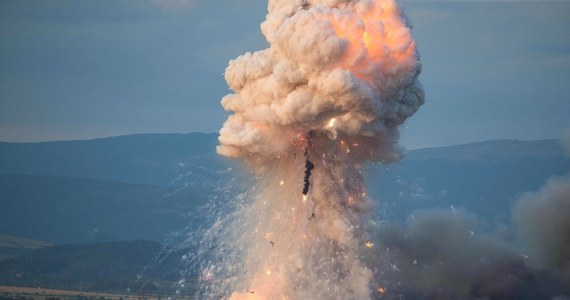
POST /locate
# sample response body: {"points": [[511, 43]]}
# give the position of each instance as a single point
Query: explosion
{"points": [[326, 97]]}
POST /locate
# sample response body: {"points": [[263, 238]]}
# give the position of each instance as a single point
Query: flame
{"points": [[387, 47], [331, 123], [368, 244], [366, 39]]}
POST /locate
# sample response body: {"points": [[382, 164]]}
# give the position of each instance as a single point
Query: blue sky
{"points": [[85, 69]]}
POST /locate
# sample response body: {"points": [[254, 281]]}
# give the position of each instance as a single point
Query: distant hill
{"points": [[484, 177], [126, 267], [148, 186], [13, 246], [8, 241], [71, 210], [156, 159]]}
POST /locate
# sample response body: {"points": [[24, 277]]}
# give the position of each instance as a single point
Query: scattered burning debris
{"points": [[343, 68]]}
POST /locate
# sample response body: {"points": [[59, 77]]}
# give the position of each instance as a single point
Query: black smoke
{"points": [[309, 166]]}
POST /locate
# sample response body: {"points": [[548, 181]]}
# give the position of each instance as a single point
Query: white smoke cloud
{"points": [[351, 61], [337, 80]]}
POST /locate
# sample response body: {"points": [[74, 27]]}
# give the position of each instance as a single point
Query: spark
{"points": [[331, 122]]}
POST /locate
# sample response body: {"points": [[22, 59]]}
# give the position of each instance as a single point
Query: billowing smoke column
{"points": [[328, 95]]}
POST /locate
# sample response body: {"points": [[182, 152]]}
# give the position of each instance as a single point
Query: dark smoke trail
{"points": [[309, 166]]}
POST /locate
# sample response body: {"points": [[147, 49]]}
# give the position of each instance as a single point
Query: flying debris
{"points": [[309, 166], [311, 217]]}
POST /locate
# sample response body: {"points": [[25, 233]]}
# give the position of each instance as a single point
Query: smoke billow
{"points": [[328, 95], [448, 254], [332, 66], [543, 222]]}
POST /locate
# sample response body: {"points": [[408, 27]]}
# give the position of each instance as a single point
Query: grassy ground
{"points": [[21, 293]]}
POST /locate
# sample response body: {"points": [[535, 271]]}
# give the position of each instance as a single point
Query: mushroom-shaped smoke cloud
{"points": [[332, 66]]}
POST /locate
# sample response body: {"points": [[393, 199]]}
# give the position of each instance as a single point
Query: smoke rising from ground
{"points": [[447, 254], [327, 96], [543, 222], [451, 254]]}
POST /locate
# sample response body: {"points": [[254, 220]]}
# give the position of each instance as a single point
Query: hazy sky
{"points": [[84, 69]]}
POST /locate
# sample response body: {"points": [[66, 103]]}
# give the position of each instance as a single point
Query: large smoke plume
{"points": [[452, 254], [328, 94], [332, 66]]}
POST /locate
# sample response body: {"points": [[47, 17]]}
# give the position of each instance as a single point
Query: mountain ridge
{"points": [[127, 180], [119, 266]]}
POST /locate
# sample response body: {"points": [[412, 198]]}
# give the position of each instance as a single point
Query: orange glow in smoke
{"points": [[366, 39], [387, 44]]}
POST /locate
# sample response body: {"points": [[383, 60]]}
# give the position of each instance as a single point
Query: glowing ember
{"points": [[366, 39], [331, 123]]}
